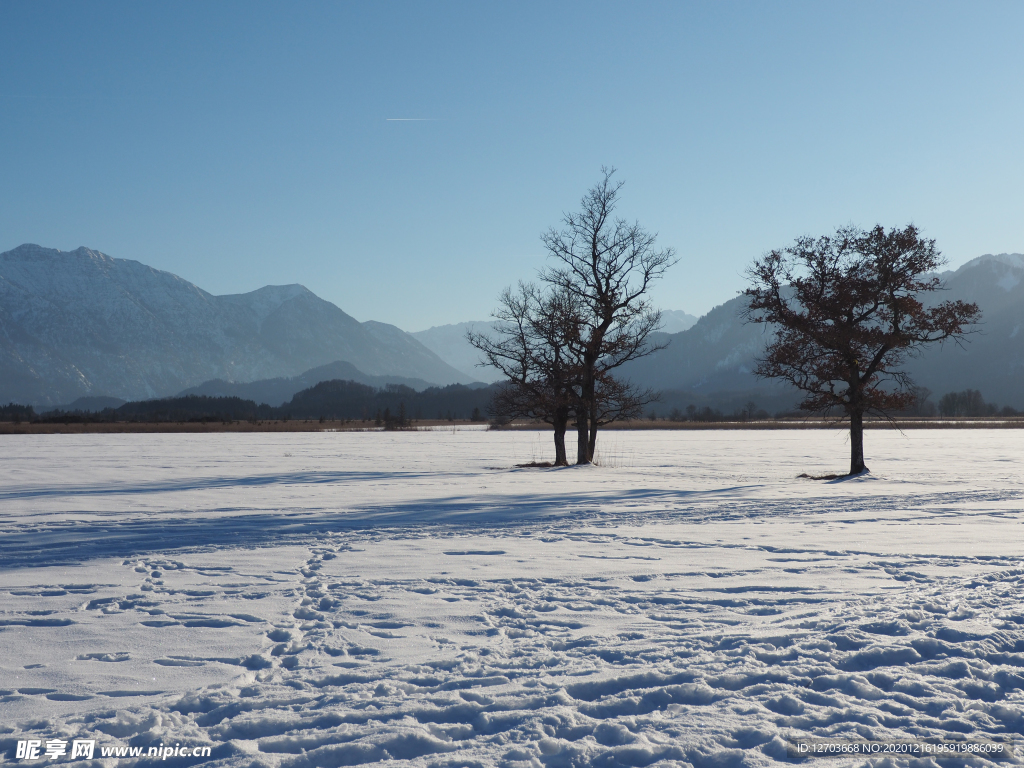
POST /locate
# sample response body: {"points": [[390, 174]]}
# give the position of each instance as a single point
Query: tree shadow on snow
{"points": [[207, 483], [831, 479], [77, 541]]}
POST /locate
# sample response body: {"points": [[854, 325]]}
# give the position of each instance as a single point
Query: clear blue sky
{"points": [[241, 144]]}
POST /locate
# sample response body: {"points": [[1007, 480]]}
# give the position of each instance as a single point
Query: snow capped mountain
{"points": [[82, 323]]}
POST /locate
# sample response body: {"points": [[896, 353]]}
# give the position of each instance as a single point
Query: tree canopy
{"points": [[557, 342], [608, 266], [846, 311]]}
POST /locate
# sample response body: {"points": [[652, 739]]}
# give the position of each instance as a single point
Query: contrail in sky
{"points": [[409, 119]]}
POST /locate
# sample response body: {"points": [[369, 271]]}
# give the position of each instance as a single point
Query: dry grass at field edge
{"points": [[314, 425]]}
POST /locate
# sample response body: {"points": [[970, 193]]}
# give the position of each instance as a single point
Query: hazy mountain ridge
{"points": [[82, 323], [717, 354], [276, 392], [449, 342], [677, 321], [992, 358]]}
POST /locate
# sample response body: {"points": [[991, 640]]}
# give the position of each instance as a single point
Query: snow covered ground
{"points": [[344, 598]]}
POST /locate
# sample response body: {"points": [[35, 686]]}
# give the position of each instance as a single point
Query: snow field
{"points": [[341, 599]]}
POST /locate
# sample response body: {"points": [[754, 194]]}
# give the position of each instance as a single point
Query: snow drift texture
{"points": [[341, 599]]}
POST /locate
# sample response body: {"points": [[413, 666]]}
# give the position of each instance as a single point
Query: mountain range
{"points": [[717, 355], [449, 342], [81, 323], [278, 391]]}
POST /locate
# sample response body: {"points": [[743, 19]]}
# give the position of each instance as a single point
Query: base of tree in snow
{"points": [[345, 598]]}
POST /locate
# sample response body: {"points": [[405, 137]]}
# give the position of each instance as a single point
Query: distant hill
{"points": [[676, 321], [333, 399], [349, 400], [275, 392], [80, 323], [716, 356], [991, 360], [449, 343], [92, 404]]}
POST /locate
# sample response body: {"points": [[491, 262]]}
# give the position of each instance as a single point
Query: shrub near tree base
{"points": [[845, 312]]}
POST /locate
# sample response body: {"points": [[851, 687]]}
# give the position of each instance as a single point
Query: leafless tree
{"points": [[535, 346], [846, 313], [618, 400], [607, 265]]}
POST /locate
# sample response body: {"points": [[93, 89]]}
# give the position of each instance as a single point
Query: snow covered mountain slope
{"points": [[717, 354], [82, 323]]}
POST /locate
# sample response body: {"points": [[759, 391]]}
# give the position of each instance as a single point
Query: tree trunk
{"points": [[585, 407], [582, 439], [561, 421], [592, 440], [857, 442]]}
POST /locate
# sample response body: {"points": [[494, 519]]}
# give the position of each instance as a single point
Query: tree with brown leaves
{"points": [[846, 313]]}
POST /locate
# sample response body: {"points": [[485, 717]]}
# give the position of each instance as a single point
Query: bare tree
{"points": [[535, 347], [538, 346], [608, 266], [846, 313], [618, 400]]}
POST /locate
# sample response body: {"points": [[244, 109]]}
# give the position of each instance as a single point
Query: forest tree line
{"points": [[394, 405], [399, 406]]}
